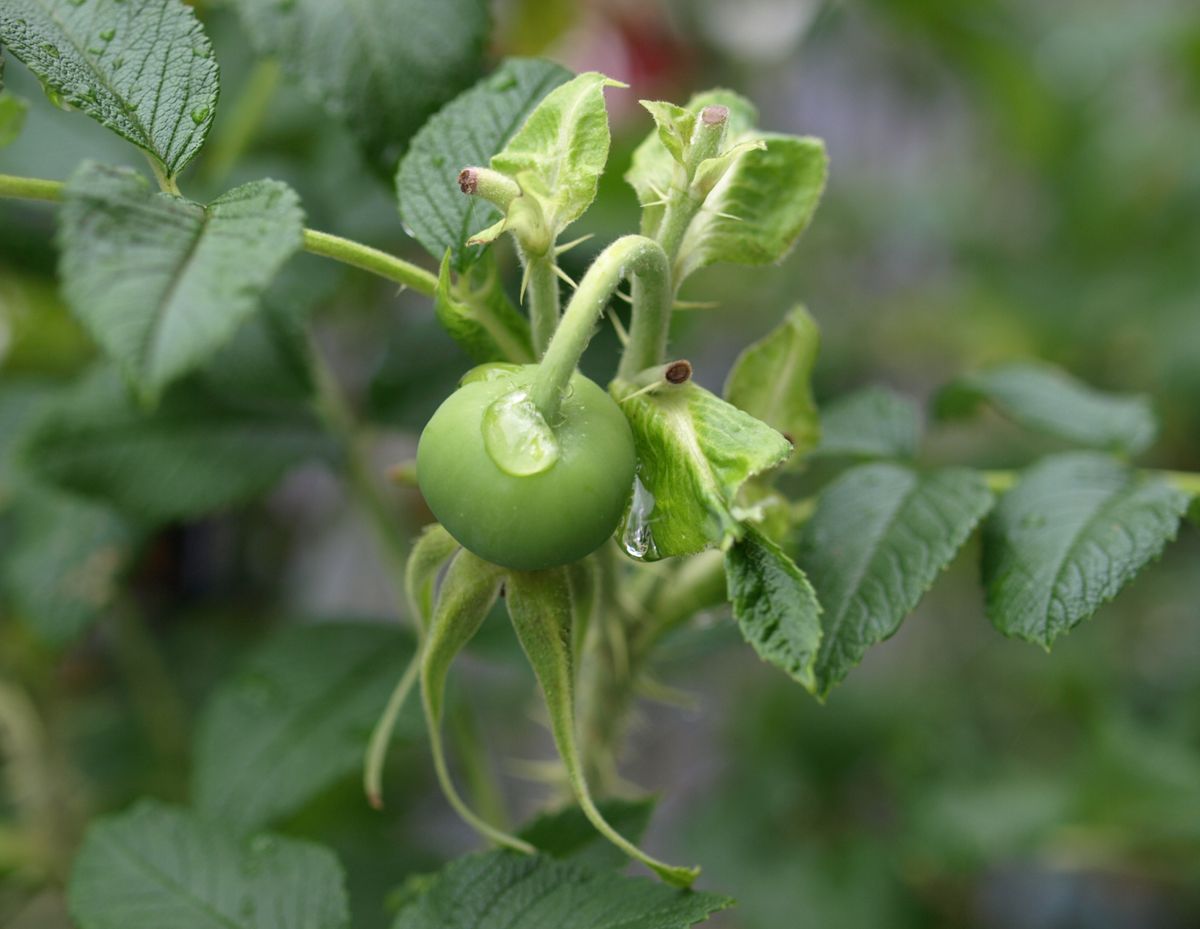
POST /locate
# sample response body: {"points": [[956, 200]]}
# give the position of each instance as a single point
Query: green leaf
{"points": [[12, 111], [880, 536], [559, 153], [568, 835], [196, 452], [433, 548], [294, 719], [381, 66], [477, 313], [156, 866], [1074, 530], [775, 606], [502, 888], [674, 125], [874, 422], [1046, 400], [145, 70], [772, 380], [467, 131], [161, 283], [694, 452]]}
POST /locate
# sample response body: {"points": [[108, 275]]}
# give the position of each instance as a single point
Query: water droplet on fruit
{"points": [[199, 115], [638, 538], [516, 436]]}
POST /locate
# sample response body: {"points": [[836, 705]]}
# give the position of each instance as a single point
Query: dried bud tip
{"points": [[714, 115], [678, 372], [468, 180], [790, 440]]}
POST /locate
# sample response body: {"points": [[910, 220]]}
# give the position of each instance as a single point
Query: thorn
{"points": [[524, 284], [626, 297], [662, 201], [736, 219], [638, 393], [565, 276], [559, 249], [661, 196], [622, 335], [695, 305]]}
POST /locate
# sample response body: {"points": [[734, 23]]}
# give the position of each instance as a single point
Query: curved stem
{"points": [[30, 188], [629, 255], [544, 307], [370, 259], [381, 735]]}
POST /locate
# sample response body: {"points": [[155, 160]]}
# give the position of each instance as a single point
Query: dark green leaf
{"points": [[504, 888], [467, 131], [775, 606], [874, 422], [477, 313], [144, 69], [880, 536], [382, 66], [569, 835], [155, 867], [161, 283], [1044, 399], [1074, 530]]}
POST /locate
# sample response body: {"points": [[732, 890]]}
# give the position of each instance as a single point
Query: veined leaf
{"points": [[162, 283], [694, 452], [294, 719], [1043, 398], [145, 70], [158, 866], [874, 422], [772, 380], [477, 313], [502, 888], [1074, 530], [467, 131], [880, 536], [382, 66], [775, 606]]}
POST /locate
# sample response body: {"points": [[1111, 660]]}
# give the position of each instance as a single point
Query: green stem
{"points": [[370, 259], [226, 146], [1187, 481], [544, 306], [381, 735], [30, 188], [166, 183]]}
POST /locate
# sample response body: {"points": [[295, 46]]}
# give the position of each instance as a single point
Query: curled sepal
{"points": [[429, 555], [477, 313], [539, 603], [467, 594]]}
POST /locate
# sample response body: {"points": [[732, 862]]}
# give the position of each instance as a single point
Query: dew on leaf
{"points": [[638, 537], [50, 50], [108, 35], [199, 114]]}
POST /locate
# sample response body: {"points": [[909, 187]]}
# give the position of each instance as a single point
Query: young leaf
{"points": [[1044, 399], [293, 719], [504, 889], [775, 606], [568, 834], [874, 422], [880, 536], [675, 125], [477, 313], [539, 604], [772, 380], [433, 548], [1074, 530], [382, 66], [162, 283], [145, 70], [694, 452], [163, 867], [467, 131]]}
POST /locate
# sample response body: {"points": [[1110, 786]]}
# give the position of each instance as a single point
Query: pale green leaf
{"points": [[674, 125], [1074, 530], [161, 283], [502, 888], [694, 452], [12, 116], [1047, 400], [467, 131], [559, 153], [775, 606], [143, 69], [294, 719], [772, 380], [568, 834], [477, 313], [874, 422], [157, 867], [381, 66], [880, 536]]}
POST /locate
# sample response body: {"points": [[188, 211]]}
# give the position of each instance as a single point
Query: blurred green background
{"points": [[1009, 179]]}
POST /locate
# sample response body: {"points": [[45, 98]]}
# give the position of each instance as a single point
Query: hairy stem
{"points": [[543, 294]]}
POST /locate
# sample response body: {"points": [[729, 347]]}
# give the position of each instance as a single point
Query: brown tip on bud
{"points": [[468, 180], [678, 372], [714, 115], [790, 440], [375, 800]]}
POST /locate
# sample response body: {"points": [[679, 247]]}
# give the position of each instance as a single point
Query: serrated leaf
{"points": [[880, 536], [156, 866], [694, 452], [477, 313], [772, 380], [467, 131], [1074, 530], [161, 283], [381, 66], [196, 452], [775, 606], [1047, 400], [875, 422], [503, 888], [568, 835], [294, 719], [559, 153], [144, 69]]}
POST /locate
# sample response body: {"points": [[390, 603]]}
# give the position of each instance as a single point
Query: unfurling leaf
{"points": [[694, 452], [880, 536], [1074, 530], [433, 548], [875, 422], [477, 313]]}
